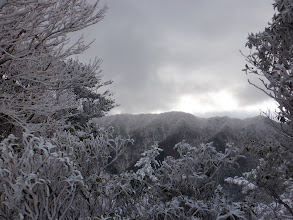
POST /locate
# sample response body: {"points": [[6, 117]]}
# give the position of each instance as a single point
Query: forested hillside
{"points": [[168, 129]]}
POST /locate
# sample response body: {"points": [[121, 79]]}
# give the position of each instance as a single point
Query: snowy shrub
{"points": [[269, 187], [94, 150], [183, 188], [148, 163], [188, 187], [64, 177], [36, 180]]}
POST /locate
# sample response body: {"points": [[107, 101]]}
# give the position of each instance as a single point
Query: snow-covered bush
{"points": [[189, 187], [94, 150], [148, 163], [37, 181], [269, 186], [184, 188], [64, 177]]}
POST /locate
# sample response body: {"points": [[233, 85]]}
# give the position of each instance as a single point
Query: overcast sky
{"points": [[179, 55]]}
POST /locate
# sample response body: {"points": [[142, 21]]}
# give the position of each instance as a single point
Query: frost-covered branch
{"points": [[38, 80]]}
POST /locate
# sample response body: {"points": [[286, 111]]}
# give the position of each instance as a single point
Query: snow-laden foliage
{"points": [[40, 85], [94, 150], [270, 184], [37, 181], [147, 162], [64, 177], [271, 59], [183, 188], [188, 187]]}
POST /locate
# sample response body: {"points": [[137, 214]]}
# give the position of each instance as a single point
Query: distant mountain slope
{"points": [[172, 127]]}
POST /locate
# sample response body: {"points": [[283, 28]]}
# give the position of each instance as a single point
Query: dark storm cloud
{"points": [[157, 51]]}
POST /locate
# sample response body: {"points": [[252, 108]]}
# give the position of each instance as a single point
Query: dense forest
{"points": [[61, 158]]}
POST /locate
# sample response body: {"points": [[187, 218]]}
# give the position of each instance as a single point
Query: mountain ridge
{"points": [[167, 129]]}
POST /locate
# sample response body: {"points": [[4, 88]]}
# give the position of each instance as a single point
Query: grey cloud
{"points": [[199, 39], [248, 95]]}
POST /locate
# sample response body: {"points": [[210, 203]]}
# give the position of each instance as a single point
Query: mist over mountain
{"points": [[172, 127]]}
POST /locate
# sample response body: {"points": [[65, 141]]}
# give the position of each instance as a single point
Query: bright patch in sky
{"points": [[204, 105], [207, 102]]}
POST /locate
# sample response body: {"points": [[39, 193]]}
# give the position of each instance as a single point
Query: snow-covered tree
{"points": [[45, 92], [271, 58], [40, 85]]}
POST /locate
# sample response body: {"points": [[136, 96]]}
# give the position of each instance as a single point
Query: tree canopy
{"points": [[41, 85], [271, 58]]}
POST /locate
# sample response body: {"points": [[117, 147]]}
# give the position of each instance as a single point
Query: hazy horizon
{"points": [[209, 115]]}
